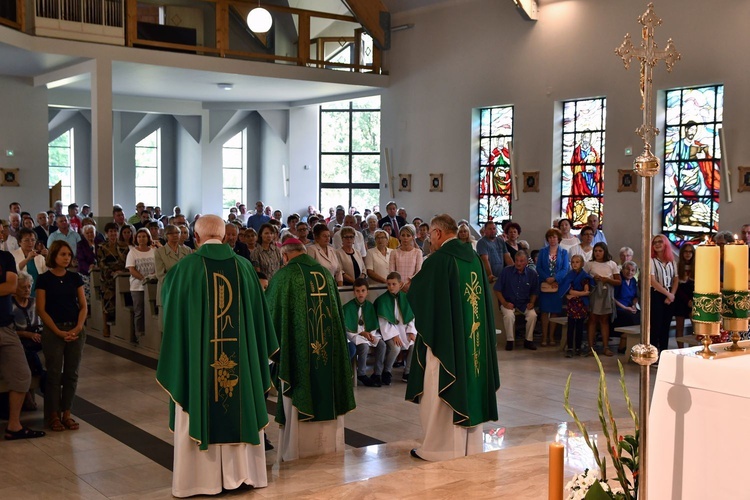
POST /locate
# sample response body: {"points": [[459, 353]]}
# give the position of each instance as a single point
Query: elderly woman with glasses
{"points": [[166, 256], [352, 263], [377, 260]]}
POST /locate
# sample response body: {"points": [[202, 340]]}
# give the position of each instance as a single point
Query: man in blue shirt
{"points": [[258, 218], [64, 233], [493, 252], [517, 288], [593, 221]]}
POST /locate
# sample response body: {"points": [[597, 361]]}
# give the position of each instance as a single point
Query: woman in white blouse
{"points": [[377, 260], [663, 287], [324, 253]]}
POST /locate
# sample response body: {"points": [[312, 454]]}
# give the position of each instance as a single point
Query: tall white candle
{"points": [[735, 267], [707, 269]]}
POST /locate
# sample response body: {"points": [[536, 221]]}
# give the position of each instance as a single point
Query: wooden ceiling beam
{"points": [[374, 18]]}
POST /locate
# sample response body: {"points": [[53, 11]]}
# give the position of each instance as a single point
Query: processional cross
{"points": [[649, 55], [646, 166]]}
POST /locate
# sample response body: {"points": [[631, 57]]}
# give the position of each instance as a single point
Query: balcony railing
{"points": [[98, 12], [217, 27]]}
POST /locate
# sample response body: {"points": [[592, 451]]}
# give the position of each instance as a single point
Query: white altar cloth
{"points": [[699, 426]]}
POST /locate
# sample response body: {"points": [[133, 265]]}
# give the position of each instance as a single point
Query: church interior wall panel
{"points": [[303, 158], [479, 53], [23, 129]]}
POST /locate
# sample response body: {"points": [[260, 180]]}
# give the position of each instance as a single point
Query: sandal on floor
{"points": [[607, 352], [543, 344], [70, 424], [56, 426], [23, 433]]}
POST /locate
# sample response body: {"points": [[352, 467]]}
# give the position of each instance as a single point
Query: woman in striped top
{"points": [[663, 287]]}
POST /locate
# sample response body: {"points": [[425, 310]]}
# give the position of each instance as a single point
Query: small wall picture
{"points": [[628, 181], [9, 177], [436, 183], [404, 182], [744, 183], [531, 182]]}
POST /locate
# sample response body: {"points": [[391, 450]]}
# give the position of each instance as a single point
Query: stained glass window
{"points": [[692, 156], [582, 180], [495, 143]]}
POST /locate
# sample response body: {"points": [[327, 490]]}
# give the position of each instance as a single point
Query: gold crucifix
{"points": [[649, 55]]}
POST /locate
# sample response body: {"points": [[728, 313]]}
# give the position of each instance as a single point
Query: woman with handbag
{"points": [[552, 265]]}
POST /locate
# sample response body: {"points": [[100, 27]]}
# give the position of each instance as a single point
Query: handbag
{"points": [[549, 287]]}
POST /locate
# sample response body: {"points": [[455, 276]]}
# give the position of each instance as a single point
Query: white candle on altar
{"points": [[735, 267], [707, 268]]}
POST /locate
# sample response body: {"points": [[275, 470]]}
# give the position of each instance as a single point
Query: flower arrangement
{"points": [[623, 450]]}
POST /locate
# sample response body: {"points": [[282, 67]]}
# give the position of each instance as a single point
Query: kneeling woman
{"points": [[61, 304]]}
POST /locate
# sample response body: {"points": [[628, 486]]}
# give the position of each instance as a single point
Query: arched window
{"points": [[582, 180], [692, 155], [495, 178]]}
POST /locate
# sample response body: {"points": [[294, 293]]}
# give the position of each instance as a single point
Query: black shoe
{"points": [[509, 345], [387, 377], [365, 380], [376, 381], [622, 350], [398, 364], [569, 353], [405, 377], [269, 446], [529, 344], [413, 453]]}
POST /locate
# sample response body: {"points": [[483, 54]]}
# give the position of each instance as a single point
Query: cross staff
{"points": [[649, 55], [646, 166]]}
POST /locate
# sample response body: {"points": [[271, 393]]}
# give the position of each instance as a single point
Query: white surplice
{"points": [[442, 439], [307, 439], [226, 466]]}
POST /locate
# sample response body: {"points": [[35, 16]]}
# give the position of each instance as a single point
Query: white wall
{"points": [[23, 129], [475, 53]]}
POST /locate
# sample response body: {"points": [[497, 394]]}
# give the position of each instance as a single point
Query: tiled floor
{"points": [[124, 437]]}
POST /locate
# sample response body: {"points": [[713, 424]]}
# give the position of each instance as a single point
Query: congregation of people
{"points": [[46, 287]]}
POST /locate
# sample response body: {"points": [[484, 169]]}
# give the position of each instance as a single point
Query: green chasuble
{"points": [[314, 369], [452, 303], [385, 307], [369, 319], [217, 341]]}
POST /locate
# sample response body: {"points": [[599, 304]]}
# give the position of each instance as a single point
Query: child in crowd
{"points": [[396, 325], [575, 287], [683, 299], [606, 276], [361, 323]]}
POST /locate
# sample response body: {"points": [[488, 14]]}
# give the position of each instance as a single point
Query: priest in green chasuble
{"points": [[213, 362], [454, 373], [314, 376]]}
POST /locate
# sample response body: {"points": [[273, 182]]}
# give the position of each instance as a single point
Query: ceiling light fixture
{"points": [[225, 86], [259, 20]]}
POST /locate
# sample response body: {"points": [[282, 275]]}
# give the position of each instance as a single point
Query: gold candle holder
{"points": [[707, 330], [734, 312]]}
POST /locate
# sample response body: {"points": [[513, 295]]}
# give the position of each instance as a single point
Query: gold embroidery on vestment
{"points": [[225, 378], [474, 291], [316, 316]]}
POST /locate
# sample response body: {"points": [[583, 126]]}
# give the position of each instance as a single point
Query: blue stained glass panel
{"points": [[692, 153]]}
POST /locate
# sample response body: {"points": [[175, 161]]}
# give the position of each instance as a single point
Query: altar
{"points": [[698, 425]]}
